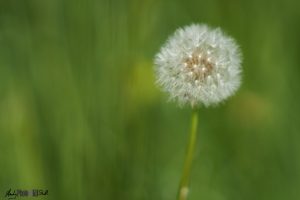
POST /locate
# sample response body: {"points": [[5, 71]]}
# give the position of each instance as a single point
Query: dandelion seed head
{"points": [[199, 65]]}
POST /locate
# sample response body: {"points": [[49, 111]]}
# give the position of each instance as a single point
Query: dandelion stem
{"points": [[185, 179]]}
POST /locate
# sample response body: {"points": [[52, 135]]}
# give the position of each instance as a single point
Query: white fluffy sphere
{"points": [[199, 65]]}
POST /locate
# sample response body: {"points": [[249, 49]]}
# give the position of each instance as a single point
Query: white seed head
{"points": [[199, 65]]}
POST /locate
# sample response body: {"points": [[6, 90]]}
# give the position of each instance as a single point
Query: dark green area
{"points": [[80, 114]]}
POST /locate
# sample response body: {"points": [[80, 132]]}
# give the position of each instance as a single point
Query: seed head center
{"points": [[198, 66]]}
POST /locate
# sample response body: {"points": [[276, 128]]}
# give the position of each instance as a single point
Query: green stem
{"points": [[185, 179]]}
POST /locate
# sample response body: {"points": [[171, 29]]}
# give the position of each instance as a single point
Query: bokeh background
{"points": [[80, 114]]}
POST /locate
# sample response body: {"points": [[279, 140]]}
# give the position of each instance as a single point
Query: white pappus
{"points": [[199, 65]]}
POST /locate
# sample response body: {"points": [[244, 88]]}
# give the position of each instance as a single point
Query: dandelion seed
{"points": [[213, 62]]}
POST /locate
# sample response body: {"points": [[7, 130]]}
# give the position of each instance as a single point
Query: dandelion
{"points": [[198, 65]]}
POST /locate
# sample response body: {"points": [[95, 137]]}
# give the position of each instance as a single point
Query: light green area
{"points": [[80, 114]]}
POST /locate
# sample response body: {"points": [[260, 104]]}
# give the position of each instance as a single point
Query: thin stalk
{"points": [[185, 179]]}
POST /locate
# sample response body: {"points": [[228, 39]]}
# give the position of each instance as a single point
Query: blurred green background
{"points": [[80, 114]]}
